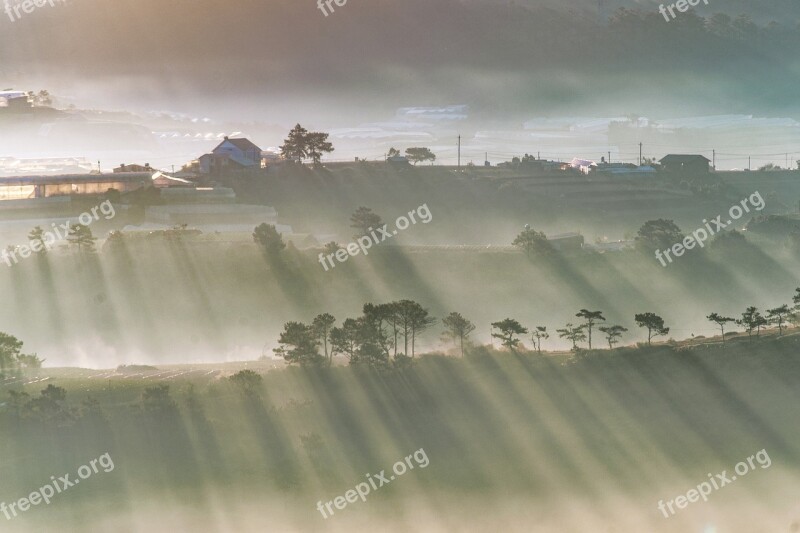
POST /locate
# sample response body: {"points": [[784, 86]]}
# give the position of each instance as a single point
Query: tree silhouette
{"points": [[752, 320], [294, 147], [316, 145], [51, 406], [376, 319], [302, 144], [533, 242], [658, 235], [81, 236], [10, 348], [408, 318], [268, 237], [720, 321], [778, 316], [612, 334], [248, 381], [538, 334], [653, 323], [37, 236], [418, 154], [299, 344], [344, 339], [508, 331], [322, 325], [573, 333], [29, 361], [458, 328], [590, 317], [420, 322], [364, 221]]}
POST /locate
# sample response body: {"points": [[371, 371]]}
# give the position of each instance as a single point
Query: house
{"points": [[231, 154], [15, 101], [163, 181], [398, 161], [564, 242], [133, 168], [685, 163], [584, 166], [624, 169]]}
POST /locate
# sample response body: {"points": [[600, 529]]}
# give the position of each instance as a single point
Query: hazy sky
{"points": [[253, 58]]}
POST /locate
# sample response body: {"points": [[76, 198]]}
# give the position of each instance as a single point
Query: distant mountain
{"points": [[783, 11]]}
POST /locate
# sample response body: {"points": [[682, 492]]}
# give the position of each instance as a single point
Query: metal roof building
{"points": [[28, 187]]}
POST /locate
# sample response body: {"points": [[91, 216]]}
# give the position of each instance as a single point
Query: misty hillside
{"points": [[524, 441], [533, 264]]}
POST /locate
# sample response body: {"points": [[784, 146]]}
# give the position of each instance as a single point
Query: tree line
{"points": [[509, 330], [382, 335], [416, 154], [12, 358], [753, 321], [387, 334], [79, 235]]}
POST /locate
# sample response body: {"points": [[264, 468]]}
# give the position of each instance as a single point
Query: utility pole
{"points": [[459, 152], [609, 157], [714, 157], [748, 163], [640, 154]]}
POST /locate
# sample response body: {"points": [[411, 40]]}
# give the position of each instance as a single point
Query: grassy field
{"points": [[567, 442]]}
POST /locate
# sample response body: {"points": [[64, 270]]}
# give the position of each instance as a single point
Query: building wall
{"points": [[28, 188], [228, 147], [564, 244], [17, 192], [700, 166]]}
